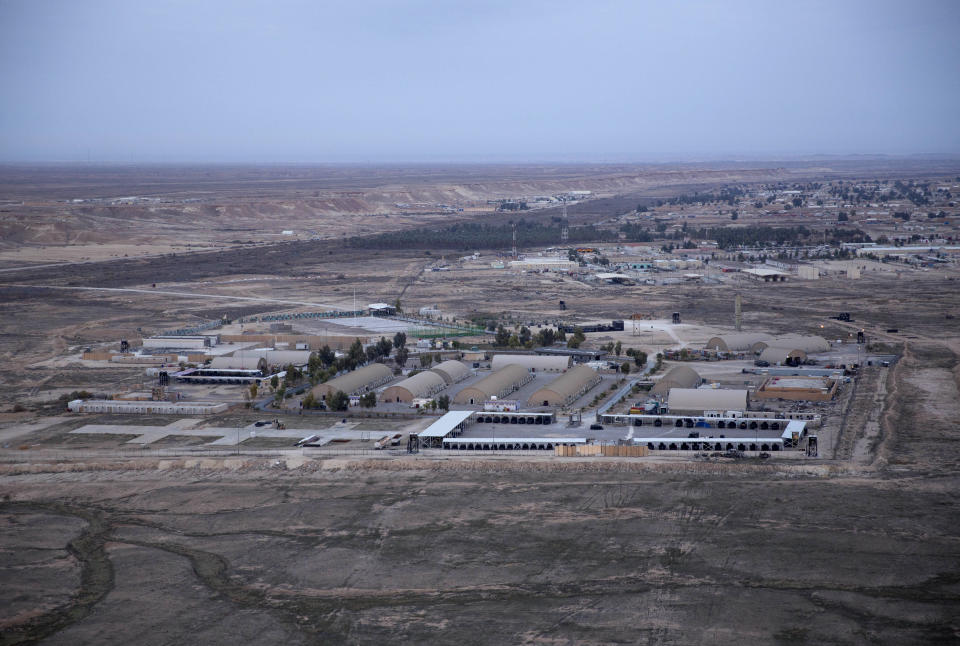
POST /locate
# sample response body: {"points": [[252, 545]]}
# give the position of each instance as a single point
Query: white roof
{"points": [[793, 426], [764, 271], [445, 425], [609, 276]]}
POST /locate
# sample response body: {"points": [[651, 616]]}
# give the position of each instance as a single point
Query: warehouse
{"points": [[452, 371], [179, 342], [357, 382], [707, 401], [420, 385], [250, 359], [146, 407], [548, 263], [532, 362], [566, 388], [498, 384], [798, 344], [750, 342], [676, 377], [213, 376]]}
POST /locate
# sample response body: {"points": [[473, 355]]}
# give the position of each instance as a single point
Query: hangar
{"points": [[356, 382], [532, 362], [498, 384], [780, 355], [566, 388], [422, 384], [752, 342], [452, 371], [800, 343], [697, 401], [676, 377]]}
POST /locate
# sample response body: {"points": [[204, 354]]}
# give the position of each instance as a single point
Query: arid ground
{"points": [[861, 545]]}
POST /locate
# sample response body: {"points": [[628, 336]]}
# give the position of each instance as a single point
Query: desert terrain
{"points": [[181, 543]]}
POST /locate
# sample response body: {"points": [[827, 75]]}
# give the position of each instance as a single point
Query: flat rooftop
{"points": [[446, 424], [817, 383]]}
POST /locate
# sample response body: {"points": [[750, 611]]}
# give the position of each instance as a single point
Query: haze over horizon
{"points": [[426, 80]]}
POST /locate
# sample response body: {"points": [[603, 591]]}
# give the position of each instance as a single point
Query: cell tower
{"points": [[514, 239], [738, 312]]}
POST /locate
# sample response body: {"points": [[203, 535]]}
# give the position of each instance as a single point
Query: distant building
{"points": [[543, 264], [175, 342], [766, 275], [381, 309], [146, 407]]}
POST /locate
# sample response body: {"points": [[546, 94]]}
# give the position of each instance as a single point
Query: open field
{"points": [[186, 545]]}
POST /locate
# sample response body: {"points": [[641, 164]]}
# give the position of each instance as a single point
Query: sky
{"points": [[515, 80]]}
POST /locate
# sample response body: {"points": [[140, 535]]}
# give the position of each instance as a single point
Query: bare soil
{"points": [[96, 546]]}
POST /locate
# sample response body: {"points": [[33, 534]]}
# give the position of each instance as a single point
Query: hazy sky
{"points": [[292, 80]]}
